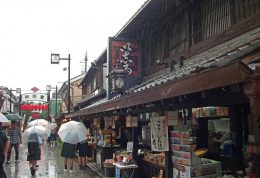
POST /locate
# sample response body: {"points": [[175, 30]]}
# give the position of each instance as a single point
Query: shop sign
{"points": [[172, 117], [159, 134], [108, 121], [131, 121], [95, 122], [130, 146], [124, 64], [128, 54], [34, 97]]}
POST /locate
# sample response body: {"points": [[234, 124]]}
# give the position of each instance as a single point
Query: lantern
{"points": [[117, 76]]}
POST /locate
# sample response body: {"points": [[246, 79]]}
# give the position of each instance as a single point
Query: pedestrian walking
{"points": [[4, 145], [40, 142], [15, 140], [53, 138], [82, 148], [33, 152], [69, 153]]}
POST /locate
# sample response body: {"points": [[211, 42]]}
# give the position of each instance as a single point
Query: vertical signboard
{"points": [[159, 134], [128, 53]]}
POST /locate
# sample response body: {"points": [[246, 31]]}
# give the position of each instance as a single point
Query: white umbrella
{"points": [[52, 126], [72, 132], [40, 122], [30, 134], [3, 118]]}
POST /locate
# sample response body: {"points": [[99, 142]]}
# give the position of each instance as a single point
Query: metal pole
{"points": [[69, 84], [48, 114], [20, 100], [56, 98], [10, 101]]}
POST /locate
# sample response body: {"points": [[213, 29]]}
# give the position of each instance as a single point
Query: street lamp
{"points": [[55, 59], [18, 90]]}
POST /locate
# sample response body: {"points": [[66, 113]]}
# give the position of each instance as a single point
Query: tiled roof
{"points": [[215, 57], [92, 97]]}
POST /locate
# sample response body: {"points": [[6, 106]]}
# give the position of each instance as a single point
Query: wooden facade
{"points": [[170, 29], [173, 30], [185, 35]]}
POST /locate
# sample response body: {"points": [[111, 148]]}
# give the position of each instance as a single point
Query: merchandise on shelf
{"points": [[209, 112], [186, 163], [155, 158]]}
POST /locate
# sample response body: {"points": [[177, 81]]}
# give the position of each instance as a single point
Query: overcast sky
{"points": [[31, 30]]}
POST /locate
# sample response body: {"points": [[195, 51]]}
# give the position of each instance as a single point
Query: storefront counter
{"points": [[104, 152], [149, 169], [126, 171]]}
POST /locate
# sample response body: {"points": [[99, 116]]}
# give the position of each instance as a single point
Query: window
{"points": [[209, 17]]}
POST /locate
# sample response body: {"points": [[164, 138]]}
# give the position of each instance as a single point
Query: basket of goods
{"points": [[201, 152]]}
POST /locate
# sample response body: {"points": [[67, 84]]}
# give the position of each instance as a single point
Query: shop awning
{"points": [[229, 74]]}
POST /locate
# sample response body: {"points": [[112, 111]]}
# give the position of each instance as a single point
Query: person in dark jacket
{"points": [[83, 150], [4, 146]]}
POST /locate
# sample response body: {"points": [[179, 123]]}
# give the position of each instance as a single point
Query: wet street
{"points": [[50, 165]]}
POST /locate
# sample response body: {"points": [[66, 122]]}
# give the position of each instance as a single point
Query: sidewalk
{"points": [[50, 166]]}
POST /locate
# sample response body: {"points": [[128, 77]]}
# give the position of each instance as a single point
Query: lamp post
{"points": [[18, 90], [55, 59]]}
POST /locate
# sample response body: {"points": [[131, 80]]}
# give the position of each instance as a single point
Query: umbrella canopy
{"points": [[3, 118], [31, 134], [72, 132], [40, 122], [52, 126], [13, 117]]}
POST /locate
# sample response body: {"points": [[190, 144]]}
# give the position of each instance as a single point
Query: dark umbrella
{"points": [[13, 117]]}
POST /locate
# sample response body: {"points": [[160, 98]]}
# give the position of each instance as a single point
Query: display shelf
{"points": [[182, 146], [186, 163]]}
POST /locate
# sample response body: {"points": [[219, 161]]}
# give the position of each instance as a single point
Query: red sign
{"points": [[34, 89], [128, 53], [34, 107], [35, 115]]}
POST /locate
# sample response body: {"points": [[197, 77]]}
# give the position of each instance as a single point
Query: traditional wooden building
{"points": [[193, 55]]}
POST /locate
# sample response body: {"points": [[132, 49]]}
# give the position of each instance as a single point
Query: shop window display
{"points": [[218, 135]]}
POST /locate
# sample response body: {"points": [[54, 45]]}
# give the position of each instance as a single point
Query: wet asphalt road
{"points": [[50, 165]]}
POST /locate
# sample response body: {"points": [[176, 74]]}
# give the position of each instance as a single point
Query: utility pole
{"points": [[86, 62]]}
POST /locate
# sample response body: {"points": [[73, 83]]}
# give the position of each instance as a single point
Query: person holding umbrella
{"points": [[33, 151], [71, 133], [15, 139], [4, 145], [33, 136], [69, 153]]}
